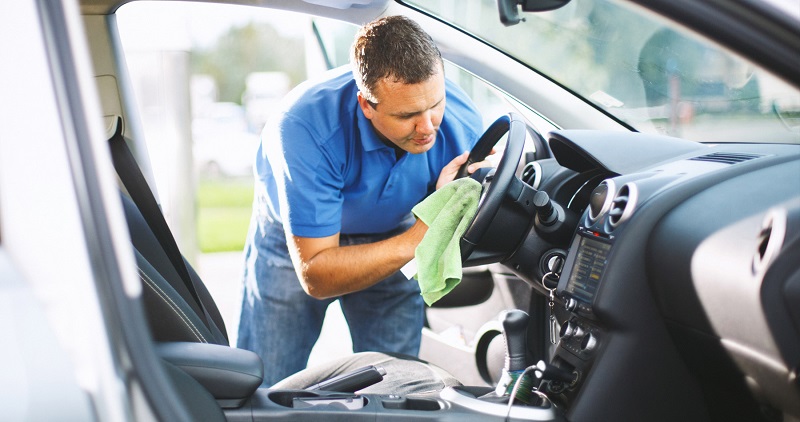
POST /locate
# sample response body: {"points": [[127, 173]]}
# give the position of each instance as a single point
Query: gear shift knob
{"points": [[515, 332]]}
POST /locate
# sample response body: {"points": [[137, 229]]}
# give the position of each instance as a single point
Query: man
{"points": [[338, 172]]}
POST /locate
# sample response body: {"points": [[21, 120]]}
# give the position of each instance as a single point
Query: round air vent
{"points": [[623, 204], [600, 199], [532, 174]]}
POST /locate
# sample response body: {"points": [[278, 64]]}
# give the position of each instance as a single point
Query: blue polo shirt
{"points": [[324, 170]]}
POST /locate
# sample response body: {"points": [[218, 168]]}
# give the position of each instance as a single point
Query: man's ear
{"points": [[366, 108]]}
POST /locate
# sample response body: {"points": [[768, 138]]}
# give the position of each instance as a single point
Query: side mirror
{"points": [[509, 9]]}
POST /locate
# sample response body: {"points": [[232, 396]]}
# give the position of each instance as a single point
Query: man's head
{"points": [[400, 78]]}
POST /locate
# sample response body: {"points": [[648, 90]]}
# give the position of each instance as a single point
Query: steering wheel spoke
{"points": [[503, 187]]}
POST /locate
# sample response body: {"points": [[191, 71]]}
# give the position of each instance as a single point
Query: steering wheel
{"points": [[500, 183]]}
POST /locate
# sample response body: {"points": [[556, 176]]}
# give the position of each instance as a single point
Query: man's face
{"points": [[407, 115]]}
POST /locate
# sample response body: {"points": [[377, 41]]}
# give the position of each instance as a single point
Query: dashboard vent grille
{"points": [[763, 241], [770, 239], [623, 204], [726, 157], [532, 174]]}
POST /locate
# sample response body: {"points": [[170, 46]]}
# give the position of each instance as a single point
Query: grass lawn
{"points": [[223, 214]]}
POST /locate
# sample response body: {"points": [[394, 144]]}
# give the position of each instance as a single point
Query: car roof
{"points": [[357, 11]]}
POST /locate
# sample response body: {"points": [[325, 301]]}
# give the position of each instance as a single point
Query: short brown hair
{"points": [[396, 47]]}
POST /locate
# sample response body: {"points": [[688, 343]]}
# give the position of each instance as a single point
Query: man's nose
{"points": [[425, 124]]}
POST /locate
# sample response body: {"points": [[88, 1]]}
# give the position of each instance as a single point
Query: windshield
{"points": [[646, 72]]}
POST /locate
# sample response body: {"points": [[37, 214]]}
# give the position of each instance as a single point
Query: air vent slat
{"points": [[770, 240], [726, 157], [532, 174], [623, 204]]}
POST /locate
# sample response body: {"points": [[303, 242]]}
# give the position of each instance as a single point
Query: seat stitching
{"points": [[175, 308], [172, 305]]}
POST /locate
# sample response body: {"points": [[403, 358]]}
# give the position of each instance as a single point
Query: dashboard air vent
{"points": [[726, 157], [770, 239], [623, 204], [532, 174], [600, 199]]}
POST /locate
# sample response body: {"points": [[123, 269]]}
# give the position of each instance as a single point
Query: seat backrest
{"points": [[172, 312], [177, 303]]}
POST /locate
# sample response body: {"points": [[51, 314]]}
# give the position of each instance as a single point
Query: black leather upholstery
{"points": [[171, 316], [197, 401], [229, 374]]}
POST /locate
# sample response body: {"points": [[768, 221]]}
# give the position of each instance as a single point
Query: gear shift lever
{"points": [[515, 333]]}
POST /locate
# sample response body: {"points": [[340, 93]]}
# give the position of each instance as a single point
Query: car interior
{"points": [[653, 277]]}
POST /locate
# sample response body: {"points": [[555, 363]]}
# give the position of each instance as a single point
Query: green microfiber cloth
{"points": [[447, 212]]}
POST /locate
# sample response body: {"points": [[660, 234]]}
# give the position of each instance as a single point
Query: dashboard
{"points": [[679, 289]]}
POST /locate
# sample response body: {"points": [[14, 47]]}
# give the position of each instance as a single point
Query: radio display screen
{"points": [[590, 262]]}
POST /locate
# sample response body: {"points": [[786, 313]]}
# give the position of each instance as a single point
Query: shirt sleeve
{"points": [[308, 180]]}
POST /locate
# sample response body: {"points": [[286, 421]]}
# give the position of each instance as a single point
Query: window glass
{"points": [[652, 74]]}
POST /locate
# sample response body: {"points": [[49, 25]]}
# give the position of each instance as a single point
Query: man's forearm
{"points": [[340, 270]]}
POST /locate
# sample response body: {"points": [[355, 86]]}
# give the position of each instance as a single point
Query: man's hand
{"points": [[448, 173]]}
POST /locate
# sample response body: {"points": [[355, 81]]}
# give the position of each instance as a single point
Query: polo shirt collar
{"points": [[369, 138]]}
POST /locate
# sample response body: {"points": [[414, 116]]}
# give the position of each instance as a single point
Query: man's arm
{"points": [[326, 269]]}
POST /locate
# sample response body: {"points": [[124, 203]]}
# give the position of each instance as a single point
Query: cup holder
{"points": [[286, 398], [302, 399], [405, 403]]}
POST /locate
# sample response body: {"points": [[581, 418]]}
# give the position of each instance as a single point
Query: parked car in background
{"points": [[262, 96], [642, 224], [222, 143]]}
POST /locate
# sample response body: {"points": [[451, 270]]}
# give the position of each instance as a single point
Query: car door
{"points": [[57, 359]]}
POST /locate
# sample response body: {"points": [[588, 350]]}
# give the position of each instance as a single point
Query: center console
{"points": [[232, 377], [460, 403], [581, 335], [451, 404]]}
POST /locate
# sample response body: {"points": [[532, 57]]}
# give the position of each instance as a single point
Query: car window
{"points": [[646, 72]]}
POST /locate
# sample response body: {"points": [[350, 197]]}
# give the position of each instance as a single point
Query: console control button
{"points": [[589, 343], [568, 329]]}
